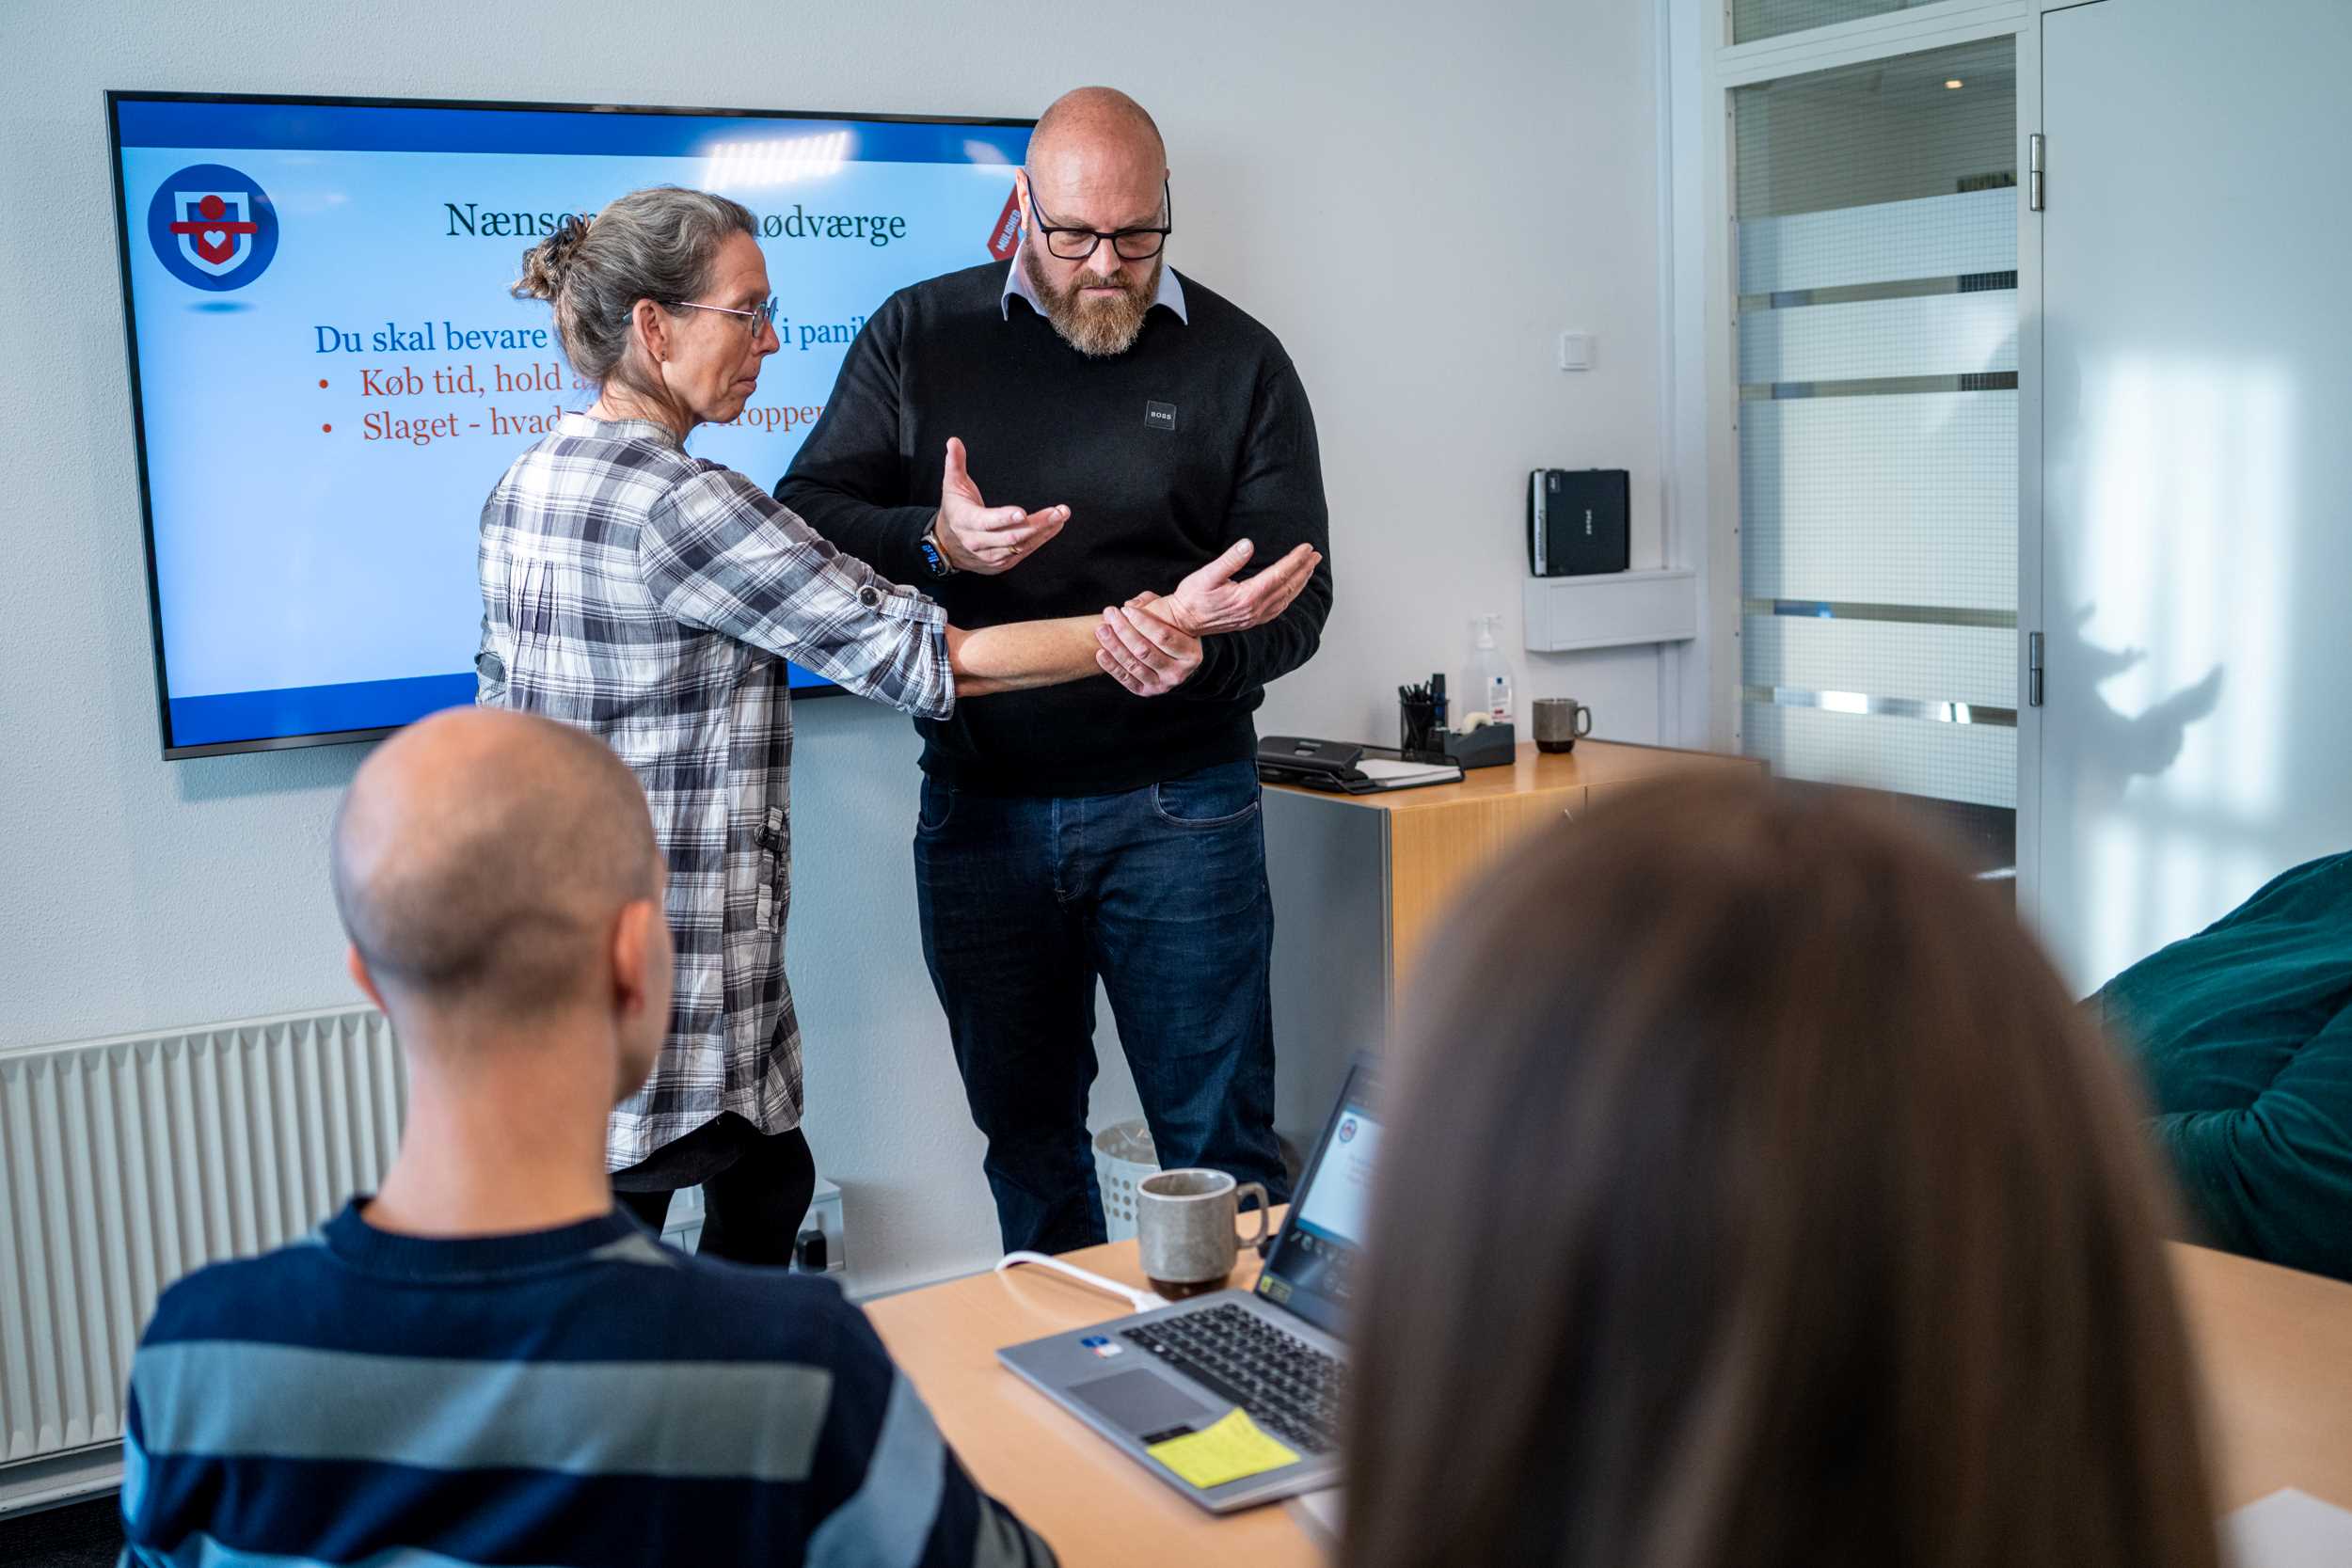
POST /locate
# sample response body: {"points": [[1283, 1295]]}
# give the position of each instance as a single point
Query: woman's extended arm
{"points": [[1022, 655], [716, 551]]}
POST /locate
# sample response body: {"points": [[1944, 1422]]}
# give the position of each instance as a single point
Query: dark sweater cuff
{"points": [[904, 527], [1221, 677]]}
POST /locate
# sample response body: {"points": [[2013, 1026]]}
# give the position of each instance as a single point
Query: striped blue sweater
{"points": [[578, 1395]]}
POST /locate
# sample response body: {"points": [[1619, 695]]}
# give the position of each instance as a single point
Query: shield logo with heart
{"points": [[213, 227]]}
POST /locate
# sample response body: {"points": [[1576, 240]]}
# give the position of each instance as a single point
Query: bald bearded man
{"points": [[487, 1361], [1128, 422]]}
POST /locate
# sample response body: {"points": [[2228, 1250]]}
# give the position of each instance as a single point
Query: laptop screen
{"points": [[1312, 1269]]}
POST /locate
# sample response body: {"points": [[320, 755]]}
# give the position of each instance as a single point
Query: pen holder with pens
{"points": [[1416, 726]]}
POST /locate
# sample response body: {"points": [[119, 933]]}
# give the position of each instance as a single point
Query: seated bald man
{"points": [[487, 1362]]}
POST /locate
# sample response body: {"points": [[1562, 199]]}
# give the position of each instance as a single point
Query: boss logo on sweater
{"points": [[1160, 416]]}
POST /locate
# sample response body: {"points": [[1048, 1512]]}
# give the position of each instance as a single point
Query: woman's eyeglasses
{"points": [[753, 318]]}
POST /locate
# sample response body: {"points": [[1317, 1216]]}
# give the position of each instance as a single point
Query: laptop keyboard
{"points": [[1288, 1387]]}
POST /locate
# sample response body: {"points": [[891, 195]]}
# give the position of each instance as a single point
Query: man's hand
{"points": [[1152, 645], [1142, 650], [1210, 601], [976, 537]]}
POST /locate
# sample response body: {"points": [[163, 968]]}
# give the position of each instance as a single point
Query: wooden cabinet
{"points": [[1362, 883]]}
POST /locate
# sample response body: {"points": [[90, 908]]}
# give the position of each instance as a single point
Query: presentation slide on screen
{"points": [[331, 374]]}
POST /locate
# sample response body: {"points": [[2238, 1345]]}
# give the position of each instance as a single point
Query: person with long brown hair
{"points": [[1754, 1194]]}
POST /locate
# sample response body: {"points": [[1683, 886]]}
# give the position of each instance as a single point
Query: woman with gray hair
{"points": [[654, 599]]}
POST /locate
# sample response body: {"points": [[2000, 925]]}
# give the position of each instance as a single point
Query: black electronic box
{"points": [[1576, 521]]}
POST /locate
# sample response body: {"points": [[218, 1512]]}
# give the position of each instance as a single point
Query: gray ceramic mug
{"points": [[1185, 1224], [1561, 723]]}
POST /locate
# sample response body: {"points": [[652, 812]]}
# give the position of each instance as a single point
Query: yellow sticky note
{"points": [[1229, 1449]]}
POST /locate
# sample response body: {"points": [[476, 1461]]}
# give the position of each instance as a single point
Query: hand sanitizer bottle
{"points": [[1488, 689]]}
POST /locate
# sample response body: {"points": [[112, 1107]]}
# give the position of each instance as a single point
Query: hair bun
{"points": [[546, 263]]}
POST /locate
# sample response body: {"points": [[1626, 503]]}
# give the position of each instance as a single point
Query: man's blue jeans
{"points": [[1161, 893]]}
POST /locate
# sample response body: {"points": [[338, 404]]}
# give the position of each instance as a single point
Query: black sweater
{"points": [[1042, 425]]}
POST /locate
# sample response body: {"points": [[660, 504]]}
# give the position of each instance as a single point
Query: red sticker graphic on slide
{"points": [[1005, 238]]}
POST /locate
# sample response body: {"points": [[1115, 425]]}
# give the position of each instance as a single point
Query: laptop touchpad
{"points": [[1141, 1401]]}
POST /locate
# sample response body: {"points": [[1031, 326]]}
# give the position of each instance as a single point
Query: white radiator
{"points": [[126, 1163]]}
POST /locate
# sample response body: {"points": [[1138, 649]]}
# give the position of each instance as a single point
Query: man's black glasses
{"points": [[1129, 245]]}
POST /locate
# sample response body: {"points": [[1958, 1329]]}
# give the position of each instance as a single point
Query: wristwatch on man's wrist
{"points": [[935, 560]]}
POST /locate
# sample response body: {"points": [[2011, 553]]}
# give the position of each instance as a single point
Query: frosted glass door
{"points": [[2198, 487], [1876, 355]]}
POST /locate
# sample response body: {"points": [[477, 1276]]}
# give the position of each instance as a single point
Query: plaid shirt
{"points": [[653, 598]]}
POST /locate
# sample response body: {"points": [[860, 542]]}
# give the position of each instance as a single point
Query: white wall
{"points": [[1416, 198]]}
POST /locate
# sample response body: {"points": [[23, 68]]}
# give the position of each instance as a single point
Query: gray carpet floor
{"points": [[79, 1535]]}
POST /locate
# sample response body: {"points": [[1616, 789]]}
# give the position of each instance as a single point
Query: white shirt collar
{"points": [[1171, 292]]}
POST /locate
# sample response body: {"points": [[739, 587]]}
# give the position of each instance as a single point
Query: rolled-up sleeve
{"points": [[719, 553]]}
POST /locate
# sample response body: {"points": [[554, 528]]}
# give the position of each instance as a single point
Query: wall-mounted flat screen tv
{"points": [[329, 375]]}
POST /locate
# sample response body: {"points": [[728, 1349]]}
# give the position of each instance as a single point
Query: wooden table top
{"points": [[1091, 1503], [1593, 763], [2274, 1346]]}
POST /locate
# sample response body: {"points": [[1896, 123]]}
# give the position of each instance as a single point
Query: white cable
{"points": [[1142, 1301]]}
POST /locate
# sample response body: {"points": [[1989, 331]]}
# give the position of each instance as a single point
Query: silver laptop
{"points": [[1275, 1351]]}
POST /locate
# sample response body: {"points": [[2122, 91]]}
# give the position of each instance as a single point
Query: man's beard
{"points": [[1100, 327]]}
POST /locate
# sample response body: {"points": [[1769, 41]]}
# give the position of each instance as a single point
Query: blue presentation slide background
{"points": [[313, 582]]}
